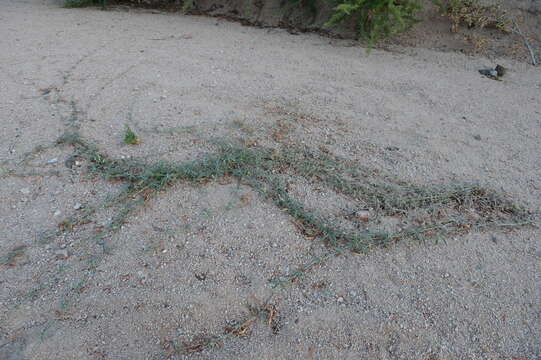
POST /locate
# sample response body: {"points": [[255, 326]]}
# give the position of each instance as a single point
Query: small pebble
{"points": [[77, 206], [57, 213], [363, 215], [52, 161], [340, 299], [25, 191], [477, 137], [62, 254], [69, 162]]}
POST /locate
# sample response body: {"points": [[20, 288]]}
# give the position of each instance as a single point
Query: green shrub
{"points": [[377, 19]]}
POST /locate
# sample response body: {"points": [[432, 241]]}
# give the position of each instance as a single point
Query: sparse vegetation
{"points": [[425, 212], [11, 257], [264, 312], [446, 210], [472, 13]]}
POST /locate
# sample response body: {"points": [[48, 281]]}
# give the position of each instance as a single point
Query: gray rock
{"points": [[70, 162], [62, 254], [363, 215]]}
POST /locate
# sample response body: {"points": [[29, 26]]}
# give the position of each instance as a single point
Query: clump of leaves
{"points": [[377, 19], [189, 5], [472, 14], [130, 137]]}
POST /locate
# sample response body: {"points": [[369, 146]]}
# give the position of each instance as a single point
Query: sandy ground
{"points": [[187, 264]]}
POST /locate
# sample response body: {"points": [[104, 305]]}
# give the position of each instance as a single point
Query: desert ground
{"points": [[223, 232]]}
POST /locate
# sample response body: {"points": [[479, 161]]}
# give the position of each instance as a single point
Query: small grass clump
{"points": [[130, 137]]}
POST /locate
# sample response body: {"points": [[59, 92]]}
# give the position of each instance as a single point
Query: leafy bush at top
{"points": [[377, 19]]}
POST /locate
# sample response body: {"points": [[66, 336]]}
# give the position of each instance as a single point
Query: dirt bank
{"points": [[433, 32]]}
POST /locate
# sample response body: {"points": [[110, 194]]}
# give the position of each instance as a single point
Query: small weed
{"points": [[130, 137], [69, 223], [268, 313], [189, 5], [80, 286], [265, 312], [12, 256]]}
